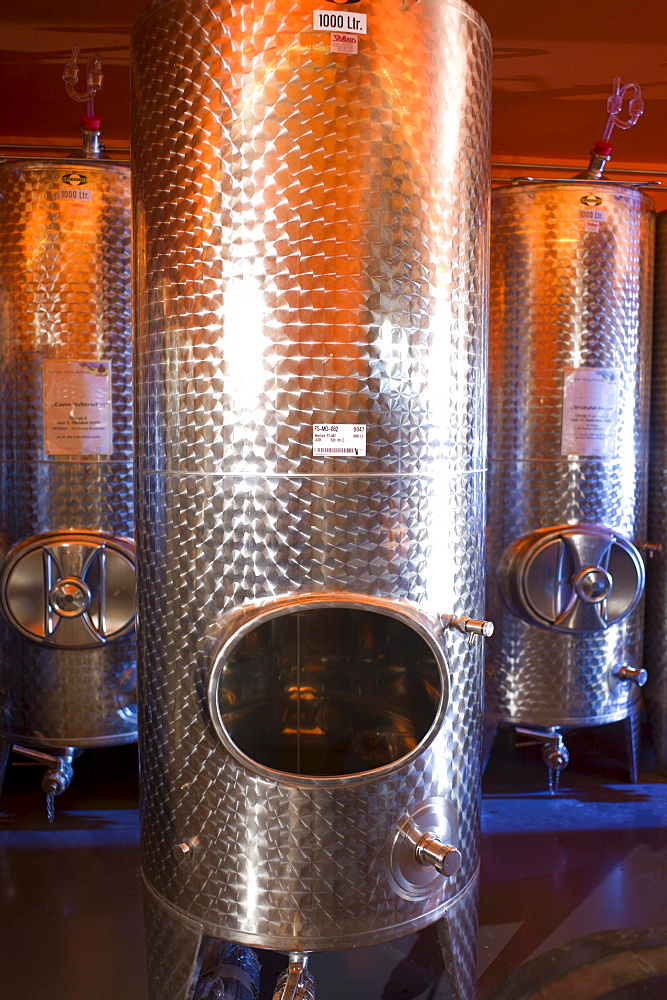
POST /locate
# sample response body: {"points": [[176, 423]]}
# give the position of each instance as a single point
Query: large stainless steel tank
{"points": [[311, 233], [570, 322], [655, 661], [67, 652]]}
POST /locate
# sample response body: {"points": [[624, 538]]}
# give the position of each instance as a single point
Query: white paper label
{"points": [[77, 407], [335, 20], [591, 215], [339, 439], [590, 411], [349, 44], [74, 194]]}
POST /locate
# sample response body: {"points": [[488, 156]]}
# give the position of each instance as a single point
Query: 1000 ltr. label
{"points": [[324, 20]]}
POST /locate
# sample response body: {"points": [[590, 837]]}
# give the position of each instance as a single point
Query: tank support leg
{"points": [[489, 730], [5, 750], [457, 934], [173, 951], [631, 725]]}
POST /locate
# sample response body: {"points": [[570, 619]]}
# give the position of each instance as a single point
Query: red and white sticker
{"points": [[349, 44]]}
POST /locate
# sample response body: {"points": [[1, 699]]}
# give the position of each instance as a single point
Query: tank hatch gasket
{"points": [[70, 590], [572, 578]]}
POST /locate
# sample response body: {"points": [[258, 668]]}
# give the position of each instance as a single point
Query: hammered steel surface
{"points": [[319, 853], [311, 232], [655, 642], [65, 287], [571, 288]]}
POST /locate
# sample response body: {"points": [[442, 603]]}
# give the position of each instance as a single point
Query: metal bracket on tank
{"points": [[295, 983]]}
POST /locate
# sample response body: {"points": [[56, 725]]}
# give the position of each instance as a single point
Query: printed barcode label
{"points": [[339, 439]]}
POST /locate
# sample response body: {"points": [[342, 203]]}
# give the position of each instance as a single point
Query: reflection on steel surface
{"points": [[655, 692], [311, 245], [568, 430], [66, 454]]}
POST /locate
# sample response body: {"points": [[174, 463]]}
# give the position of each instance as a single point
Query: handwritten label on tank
{"points": [[339, 439], [335, 20], [77, 407], [590, 411]]}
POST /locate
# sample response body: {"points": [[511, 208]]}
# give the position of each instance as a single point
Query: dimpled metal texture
{"points": [[655, 692], [564, 295], [65, 288], [311, 237]]}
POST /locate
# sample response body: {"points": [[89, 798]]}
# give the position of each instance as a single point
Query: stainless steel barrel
{"points": [[311, 185], [655, 692], [570, 322], [67, 652]]}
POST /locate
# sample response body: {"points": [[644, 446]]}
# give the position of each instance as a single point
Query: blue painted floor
{"points": [[554, 868]]}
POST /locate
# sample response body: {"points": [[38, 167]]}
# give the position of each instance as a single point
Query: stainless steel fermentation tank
{"points": [[311, 237], [570, 324], [67, 651], [655, 692]]}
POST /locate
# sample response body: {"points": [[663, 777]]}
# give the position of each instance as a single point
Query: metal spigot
{"points": [[638, 675], [469, 626], [296, 983], [555, 754], [445, 859], [57, 779]]}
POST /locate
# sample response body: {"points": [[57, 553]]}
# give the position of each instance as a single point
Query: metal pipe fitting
{"points": [[296, 983], [445, 859], [469, 626], [638, 675]]}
